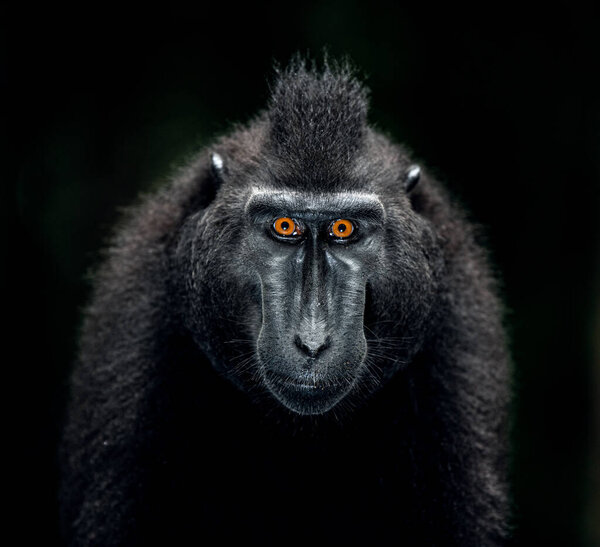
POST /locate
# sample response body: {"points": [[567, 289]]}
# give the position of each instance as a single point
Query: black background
{"points": [[504, 105]]}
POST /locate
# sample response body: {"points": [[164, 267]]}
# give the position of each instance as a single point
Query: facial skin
{"points": [[311, 347]]}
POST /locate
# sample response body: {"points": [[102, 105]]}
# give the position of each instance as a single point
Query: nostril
{"points": [[312, 348]]}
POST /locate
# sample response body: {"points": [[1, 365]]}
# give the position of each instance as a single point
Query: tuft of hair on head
{"points": [[317, 117]]}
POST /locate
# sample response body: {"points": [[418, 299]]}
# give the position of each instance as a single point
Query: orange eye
{"points": [[342, 229], [285, 226]]}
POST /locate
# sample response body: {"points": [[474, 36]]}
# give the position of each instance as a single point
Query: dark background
{"points": [[502, 104]]}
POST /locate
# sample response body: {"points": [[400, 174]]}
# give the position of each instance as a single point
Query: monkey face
{"points": [[284, 285], [312, 267]]}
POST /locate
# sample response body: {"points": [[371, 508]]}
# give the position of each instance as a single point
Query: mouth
{"points": [[305, 396], [297, 385], [303, 384]]}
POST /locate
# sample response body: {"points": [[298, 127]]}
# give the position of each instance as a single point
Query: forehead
{"points": [[264, 202]]}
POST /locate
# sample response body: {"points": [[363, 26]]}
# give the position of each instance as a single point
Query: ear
{"points": [[217, 166], [210, 184], [411, 177]]}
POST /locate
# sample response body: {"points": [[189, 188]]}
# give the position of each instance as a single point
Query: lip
{"points": [[301, 386], [290, 384], [303, 397]]}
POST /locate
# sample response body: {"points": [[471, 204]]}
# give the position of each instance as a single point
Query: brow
{"points": [[329, 205]]}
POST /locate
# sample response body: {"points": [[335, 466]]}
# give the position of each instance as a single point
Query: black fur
{"points": [[160, 448]]}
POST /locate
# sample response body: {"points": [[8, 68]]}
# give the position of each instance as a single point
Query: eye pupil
{"points": [[342, 228], [285, 226]]}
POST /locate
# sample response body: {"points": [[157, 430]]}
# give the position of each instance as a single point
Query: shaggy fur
{"points": [[171, 435]]}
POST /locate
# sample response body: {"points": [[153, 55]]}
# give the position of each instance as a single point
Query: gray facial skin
{"points": [[311, 347]]}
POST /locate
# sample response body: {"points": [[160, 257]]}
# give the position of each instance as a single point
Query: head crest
{"points": [[317, 119]]}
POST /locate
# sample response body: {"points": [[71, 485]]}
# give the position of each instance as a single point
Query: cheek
{"points": [[222, 303]]}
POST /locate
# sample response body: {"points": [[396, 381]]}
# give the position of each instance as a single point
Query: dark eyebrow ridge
{"points": [[354, 204]]}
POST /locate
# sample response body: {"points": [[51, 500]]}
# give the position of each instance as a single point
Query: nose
{"points": [[312, 346]]}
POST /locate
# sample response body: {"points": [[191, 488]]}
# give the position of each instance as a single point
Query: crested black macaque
{"points": [[297, 339]]}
